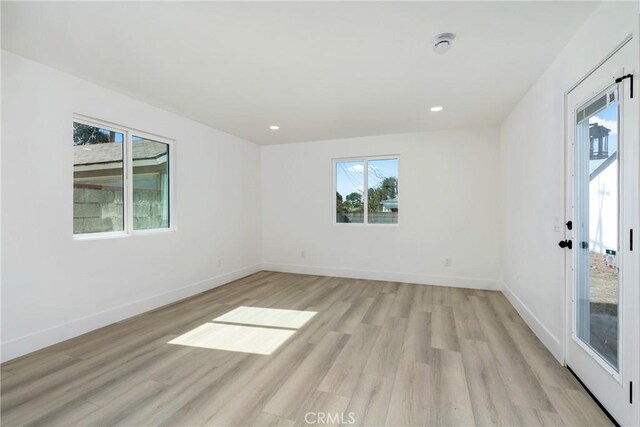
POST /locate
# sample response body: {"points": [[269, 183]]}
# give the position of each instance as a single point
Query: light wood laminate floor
{"points": [[387, 353]]}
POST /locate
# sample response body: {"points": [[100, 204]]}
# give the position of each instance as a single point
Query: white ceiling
{"points": [[320, 70]]}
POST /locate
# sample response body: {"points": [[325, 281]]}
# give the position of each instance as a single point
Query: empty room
{"points": [[320, 213]]}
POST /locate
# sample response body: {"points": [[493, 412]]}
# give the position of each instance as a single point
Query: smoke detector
{"points": [[443, 42]]}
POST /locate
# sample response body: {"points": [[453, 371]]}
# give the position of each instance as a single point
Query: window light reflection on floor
{"points": [[260, 316], [234, 335]]}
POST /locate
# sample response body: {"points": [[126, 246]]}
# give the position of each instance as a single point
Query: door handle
{"points": [[565, 244]]}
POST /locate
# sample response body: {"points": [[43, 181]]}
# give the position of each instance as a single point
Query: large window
{"points": [[379, 203], [121, 180]]}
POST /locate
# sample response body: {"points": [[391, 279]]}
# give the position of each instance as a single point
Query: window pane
{"points": [[97, 180], [349, 192], [150, 184], [598, 228], [382, 180]]}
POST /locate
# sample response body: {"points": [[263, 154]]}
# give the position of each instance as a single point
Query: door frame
{"points": [[568, 212]]}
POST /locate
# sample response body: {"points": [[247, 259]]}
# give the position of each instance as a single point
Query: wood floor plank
{"points": [[422, 298], [379, 310], [39, 397], [535, 418], [487, 392], [68, 415], [224, 384], [522, 384], [171, 398], [306, 378], [269, 420], [467, 323], [503, 309], [451, 405], [124, 405], [576, 407], [342, 377], [55, 362], [193, 359], [416, 345], [401, 306], [444, 334], [128, 375], [329, 407], [441, 296], [385, 354], [248, 403], [539, 358], [411, 395], [353, 317], [369, 403]]}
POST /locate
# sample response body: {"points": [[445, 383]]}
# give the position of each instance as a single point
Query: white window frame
{"points": [[128, 134], [334, 187]]}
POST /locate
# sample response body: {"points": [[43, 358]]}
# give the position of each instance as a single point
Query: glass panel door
{"points": [[597, 231], [601, 236]]}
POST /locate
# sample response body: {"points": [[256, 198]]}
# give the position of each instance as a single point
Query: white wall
{"points": [[532, 146], [449, 208], [54, 287]]}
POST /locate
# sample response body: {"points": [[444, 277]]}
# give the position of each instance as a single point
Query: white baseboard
{"points": [[553, 344], [46, 337], [420, 279]]}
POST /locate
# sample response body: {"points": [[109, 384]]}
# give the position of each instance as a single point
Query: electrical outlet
{"points": [[301, 254], [447, 262]]}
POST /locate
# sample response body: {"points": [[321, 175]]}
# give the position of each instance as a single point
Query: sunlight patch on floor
{"points": [[260, 316], [244, 339], [261, 338]]}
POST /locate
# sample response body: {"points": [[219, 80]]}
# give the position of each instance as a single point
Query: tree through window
{"points": [[380, 177]]}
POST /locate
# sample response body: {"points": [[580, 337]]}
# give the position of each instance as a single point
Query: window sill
{"points": [[153, 231], [100, 236], [355, 224], [122, 234]]}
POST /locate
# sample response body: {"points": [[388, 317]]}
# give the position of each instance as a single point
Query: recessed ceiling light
{"points": [[274, 127], [436, 108]]}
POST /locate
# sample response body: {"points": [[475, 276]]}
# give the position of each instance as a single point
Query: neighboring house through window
{"points": [[121, 180]]}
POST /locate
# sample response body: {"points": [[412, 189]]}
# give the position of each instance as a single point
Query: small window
{"points": [[150, 184], [379, 204], [104, 156]]}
